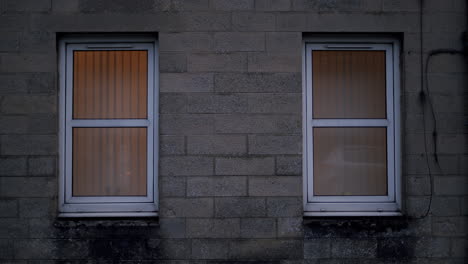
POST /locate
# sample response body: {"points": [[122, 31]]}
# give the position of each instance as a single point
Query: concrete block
{"points": [[261, 249], [217, 186], [317, 248], [452, 143], [290, 228], [8, 208], [258, 82], [29, 104], [185, 166], [284, 207], [275, 103], [30, 124], [275, 144], [10, 42], [26, 6], [245, 166], [172, 145], [28, 187], [186, 41], [451, 185], [240, 207], [182, 124], [38, 42], [418, 185], [65, 6], [291, 22], [34, 249], [12, 166], [172, 62], [220, 62], [333, 6], [186, 82], [11, 228], [213, 228], [206, 21], [41, 166], [103, 6], [354, 248], [464, 205], [445, 206], [396, 249], [453, 226], [239, 41], [247, 21], [273, 5], [7, 251], [165, 249], [172, 227], [459, 248], [28, 145], [217, 144], [192, 5], [172, 186], [284, 42], [13, 22], [257, 123], [274, 62], [182, 207], [417, 206], [289, 165], [172, 103], [217, 103], [233, 5], [35, 207], [275, 186], [258, 228], [432, 247], [27, 62], [210, 249], [22, 83]]}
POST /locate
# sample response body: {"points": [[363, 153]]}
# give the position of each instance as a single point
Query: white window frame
{"points": [[389, 205], [106, 206]]}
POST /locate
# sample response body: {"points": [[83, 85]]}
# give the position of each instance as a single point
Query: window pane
{"points": [[109, 161], [350, 161], [110, 84], [348, 84]]}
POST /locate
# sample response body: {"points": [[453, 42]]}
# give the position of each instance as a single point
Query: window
{"points": [[351, 126], [108, 126]]}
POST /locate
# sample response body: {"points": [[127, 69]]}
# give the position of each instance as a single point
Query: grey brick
{"points": [[275, 144], [275, 186], [8, 208], [184, 5], [217, 144], [452, 144], [181, 124], [291, 22], [454, 226], [213, 228], [261, 249], [417, 206], [258, 82], [207, 21], [10, 41], [459, 248], [232, 5], [34, 207], [172, 103], [464, 205], [66, 6], [289, 165], [12, 166], [186, 82], [451, 185], [273, 5], [172, 186], [353, 248], [13, 22], [445, 206], [274, 62], [28, 104], [26, 5], [172, 145], [7, 251], [325, 5], [30, 124], [21, 83], [28, 145], [113, 6], [284, 207], [14, 228], [217, 186], [175, 166], [290, 227], [27, 187], [38, 42], [246, 21], [317, 248], [284, 42], [240, 207], [418, 185], [258, 227], [168, 249], [275, 103], [172, 62], [34, 249], [182, 207], [287, 124], [27, 62], [42, 166], [172, 227], [239, 41], [217, 103], [210, 249], [221, 62], [432, 247], [186, 41], [245, 166]]}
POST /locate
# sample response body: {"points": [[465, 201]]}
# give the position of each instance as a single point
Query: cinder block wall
{"points": [[231, 134]]}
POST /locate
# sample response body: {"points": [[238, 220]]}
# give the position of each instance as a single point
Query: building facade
{"points": [[218, 112]]}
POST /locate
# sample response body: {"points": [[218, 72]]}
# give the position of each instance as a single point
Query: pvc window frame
{"points": [[106, 206], [390, 204]]}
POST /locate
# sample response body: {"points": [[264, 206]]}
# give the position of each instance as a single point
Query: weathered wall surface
{"points": [[231, 134]]}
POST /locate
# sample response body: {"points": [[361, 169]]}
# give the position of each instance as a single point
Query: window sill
{"points": [[109, 215], [333, 214]]}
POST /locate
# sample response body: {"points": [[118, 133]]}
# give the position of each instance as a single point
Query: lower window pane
{"points": [[109, 161], [350, 161]]}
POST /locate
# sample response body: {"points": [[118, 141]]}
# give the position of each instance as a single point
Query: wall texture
{"points": [[231, 134]]}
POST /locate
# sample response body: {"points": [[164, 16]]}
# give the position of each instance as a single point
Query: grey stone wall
{"points": [[231, 134]]}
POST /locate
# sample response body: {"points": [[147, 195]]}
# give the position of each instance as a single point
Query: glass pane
{"points": [[350, 161], [109, 161], [110, 84], [348, 84]]}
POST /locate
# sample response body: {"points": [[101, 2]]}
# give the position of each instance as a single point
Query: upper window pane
{"points": [[110, 84], [348, 84]]}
